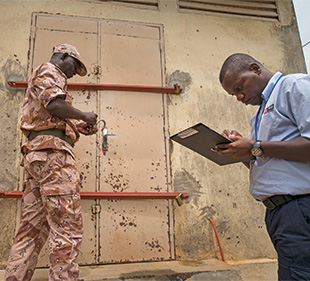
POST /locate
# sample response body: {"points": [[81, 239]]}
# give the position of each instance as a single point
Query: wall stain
{"points": [[11, 71], [207, 212], [183, 79], [289, 65], [11, 101], [195, 242], [185, 182], [10, 115]]}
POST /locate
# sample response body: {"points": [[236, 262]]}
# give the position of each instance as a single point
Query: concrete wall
{"points": [[195, 47]]}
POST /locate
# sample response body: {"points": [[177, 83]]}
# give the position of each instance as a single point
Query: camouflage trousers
{"points": [[57, 217]]}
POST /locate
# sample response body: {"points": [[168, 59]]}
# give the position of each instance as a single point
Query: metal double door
{"points": [[118, 52]]}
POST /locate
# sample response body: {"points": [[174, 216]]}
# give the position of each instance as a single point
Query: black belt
{"points": [[52, 132], [278, 200]]}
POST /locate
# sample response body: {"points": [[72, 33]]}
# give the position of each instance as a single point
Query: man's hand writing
{"points": [[239, 148], [228, 134]]}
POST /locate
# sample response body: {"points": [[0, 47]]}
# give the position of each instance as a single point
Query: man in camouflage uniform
{"points": [[51, 204]]}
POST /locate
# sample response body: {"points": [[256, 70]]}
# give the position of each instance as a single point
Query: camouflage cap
{"points": [[73, 52]]}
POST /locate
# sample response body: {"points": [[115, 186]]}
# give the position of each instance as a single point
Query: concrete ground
{"points": [[205, 270], [257, 270]]}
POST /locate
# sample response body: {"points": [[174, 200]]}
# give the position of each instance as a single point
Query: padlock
{"points": [[179, 198]]}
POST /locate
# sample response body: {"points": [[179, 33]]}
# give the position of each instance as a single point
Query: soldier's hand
{"points": [[86, 128], [90, 117]]}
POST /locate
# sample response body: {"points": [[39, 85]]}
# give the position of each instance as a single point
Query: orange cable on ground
{"points": [[217, 238]]}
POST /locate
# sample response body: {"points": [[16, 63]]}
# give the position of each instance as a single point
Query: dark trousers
{"points": [[289, 229]]}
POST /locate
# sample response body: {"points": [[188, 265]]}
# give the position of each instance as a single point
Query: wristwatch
{"points": [[256, 150]]}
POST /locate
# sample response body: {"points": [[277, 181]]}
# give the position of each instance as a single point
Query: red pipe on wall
{"points": [[110, 195], [109, 87]]}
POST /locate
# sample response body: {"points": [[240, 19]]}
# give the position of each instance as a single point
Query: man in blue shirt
{"points": [[280, 143]]}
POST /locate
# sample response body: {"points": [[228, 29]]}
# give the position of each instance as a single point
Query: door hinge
{"points": [[95, 209]]}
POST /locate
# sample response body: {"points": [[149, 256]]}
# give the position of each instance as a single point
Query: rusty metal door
{"points": [[137, 161], [118, 52]]}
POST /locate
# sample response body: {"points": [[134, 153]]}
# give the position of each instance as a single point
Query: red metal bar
{"points": [[110, 87], [131, 195], [110, 195]]}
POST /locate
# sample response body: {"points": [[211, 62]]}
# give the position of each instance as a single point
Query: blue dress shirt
{"points": [[284, 115]]}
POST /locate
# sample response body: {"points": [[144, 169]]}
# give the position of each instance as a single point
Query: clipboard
{"points": [[202, 139]]}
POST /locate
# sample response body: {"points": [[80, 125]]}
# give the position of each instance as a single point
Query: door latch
{"points": [[104, 136]]}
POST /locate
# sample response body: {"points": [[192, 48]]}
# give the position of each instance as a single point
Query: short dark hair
{"points": [[236, 63]]}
